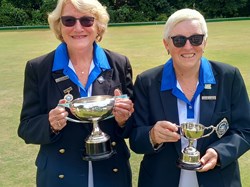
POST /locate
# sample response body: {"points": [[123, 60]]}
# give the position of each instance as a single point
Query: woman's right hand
{"points": [[57, 117], [164, 131]]}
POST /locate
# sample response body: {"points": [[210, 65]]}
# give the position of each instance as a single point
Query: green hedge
{"points": [[123, 24]]}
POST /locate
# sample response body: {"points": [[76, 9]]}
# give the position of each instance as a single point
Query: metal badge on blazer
{"points": [[63, 78], [222, 128], [100, 79], [208, 86], [68, 97]]}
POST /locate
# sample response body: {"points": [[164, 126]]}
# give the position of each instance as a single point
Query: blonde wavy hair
{"points": [[85, 6]]}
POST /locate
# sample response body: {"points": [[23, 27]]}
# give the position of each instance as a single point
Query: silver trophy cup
{"points": [[190, 156], [92, 110]]}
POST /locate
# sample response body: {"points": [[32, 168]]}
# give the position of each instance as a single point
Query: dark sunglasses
{"points": [[70, 21], [195, 40]]}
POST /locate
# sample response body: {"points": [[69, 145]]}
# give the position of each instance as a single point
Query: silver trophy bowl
{"points": [[92, 110]]}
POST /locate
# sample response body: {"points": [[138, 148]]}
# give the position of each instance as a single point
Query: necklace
{"points": [[185, 86], [82, 72], [190, 90]]}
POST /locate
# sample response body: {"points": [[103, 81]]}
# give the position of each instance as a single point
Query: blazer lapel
{"points": [[102, 84], [207, 107], [64, 84], [169, 105]]}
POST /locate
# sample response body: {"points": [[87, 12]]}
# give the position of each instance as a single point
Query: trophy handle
{"points": [[179, 127], [64, 105], [121, 96], [220, 129], [76, 121], [207, 128]]}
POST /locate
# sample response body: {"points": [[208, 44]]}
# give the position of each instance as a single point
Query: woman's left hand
{"points": [[209, 160], [123, 108]]}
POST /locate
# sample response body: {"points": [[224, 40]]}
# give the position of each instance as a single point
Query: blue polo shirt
{"points": [[169, 82]]}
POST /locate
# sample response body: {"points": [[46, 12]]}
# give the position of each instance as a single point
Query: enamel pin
{"points": [[68, 97]]}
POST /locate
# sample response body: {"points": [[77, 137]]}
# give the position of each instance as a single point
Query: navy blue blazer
{"points": [[158, 168], [59, 161]]}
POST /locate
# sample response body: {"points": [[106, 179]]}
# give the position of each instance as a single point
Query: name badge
{"points": [[60, 79], [208, 98]]}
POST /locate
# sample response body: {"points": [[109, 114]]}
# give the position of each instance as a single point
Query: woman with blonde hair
{"points": [[82, 68]]}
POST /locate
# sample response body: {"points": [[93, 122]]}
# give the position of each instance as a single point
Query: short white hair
{"points": [[184, 15]]}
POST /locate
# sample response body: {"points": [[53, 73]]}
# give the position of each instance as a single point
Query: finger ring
{"points": [[129, 114], [58, 123]]}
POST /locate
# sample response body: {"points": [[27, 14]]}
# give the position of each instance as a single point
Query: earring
{"points": [[98, 37], [168, 52]]}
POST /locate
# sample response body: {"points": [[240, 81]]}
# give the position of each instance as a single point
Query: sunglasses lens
{"points": [[87, 21], [196, 40], [179, 41], [68, 21]]}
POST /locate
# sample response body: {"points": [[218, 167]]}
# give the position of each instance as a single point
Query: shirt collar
{"points": [[168, 82], [61, 59]]}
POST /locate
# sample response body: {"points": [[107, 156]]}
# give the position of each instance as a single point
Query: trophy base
{"points": [[98, 151], [187, 166], [98, 157]]}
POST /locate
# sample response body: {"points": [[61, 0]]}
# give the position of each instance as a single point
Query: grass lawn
{"points": [[228, 42]]}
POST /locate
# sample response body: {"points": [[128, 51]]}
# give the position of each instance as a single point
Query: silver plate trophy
{"points": [[190, 157], [91, 110]]}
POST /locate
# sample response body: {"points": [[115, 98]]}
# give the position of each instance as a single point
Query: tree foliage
{"points": [[223, 8], [11, 16], [34, 12]]}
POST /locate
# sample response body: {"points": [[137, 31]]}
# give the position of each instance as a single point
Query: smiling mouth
{"points": [[79, 37], [188, 55]]}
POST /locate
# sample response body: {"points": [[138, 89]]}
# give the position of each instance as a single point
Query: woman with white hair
{"points": [[191, 92], [82, 68]]}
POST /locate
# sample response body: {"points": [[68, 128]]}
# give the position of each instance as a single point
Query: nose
{"points": [[188, 44], [78, 25]]}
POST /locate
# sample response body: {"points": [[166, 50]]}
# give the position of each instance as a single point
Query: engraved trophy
{"points": [[190, 157], [92, 110]]}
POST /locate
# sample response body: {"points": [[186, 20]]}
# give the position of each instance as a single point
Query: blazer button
{"points": [[115, 170], [62, 151], [61, 176], [113, 144]]}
